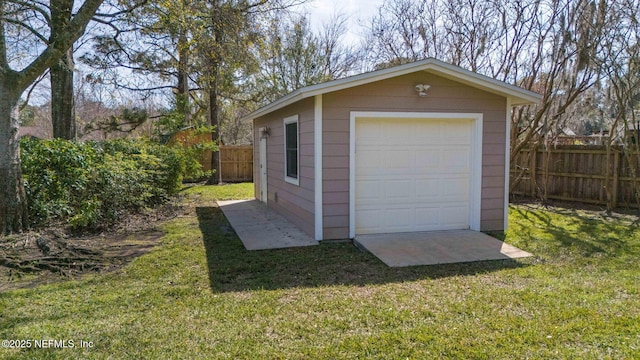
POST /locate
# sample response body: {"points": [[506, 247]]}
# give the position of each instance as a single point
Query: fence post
{"points": [[533, 173], [616, 178]]}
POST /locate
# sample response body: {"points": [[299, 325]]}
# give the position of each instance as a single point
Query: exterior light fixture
{"points": [[265, 133], [421, 89]]}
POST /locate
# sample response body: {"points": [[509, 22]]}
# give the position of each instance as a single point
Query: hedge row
{"points": [[90, 185]]}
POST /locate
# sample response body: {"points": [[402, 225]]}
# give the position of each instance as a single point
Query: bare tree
{"points": [[620, 61], [406, 31], [340, 59], [547, 47]]}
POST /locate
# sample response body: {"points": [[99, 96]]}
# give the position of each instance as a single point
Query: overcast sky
{"points": [[358, 11]]}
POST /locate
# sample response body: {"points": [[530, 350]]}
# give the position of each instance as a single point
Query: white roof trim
{"points": [[518, 96]]}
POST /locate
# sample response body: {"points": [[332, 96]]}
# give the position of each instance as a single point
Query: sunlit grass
{"points": [[221, 192], [201, 295]]}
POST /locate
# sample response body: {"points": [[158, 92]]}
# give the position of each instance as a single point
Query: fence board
{"points": [[589, 174]]}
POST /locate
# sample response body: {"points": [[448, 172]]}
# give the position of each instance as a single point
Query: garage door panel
{"points": [[399, 189], [425, 133], [427, 189], [368, 190], [427, 159], [398, 218], [457, 132], [401, 160], [427, 217], [389, 220], [455, 216], [375, 220], [370, 220], [454, 188], [369, 132], [456, 160], [395, 134], [371, 161]]}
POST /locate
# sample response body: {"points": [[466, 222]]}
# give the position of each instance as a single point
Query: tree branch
{"points": [[60, 44], [33, 86], [29, 28], [137, 5], [31, 6], [153, 88]]}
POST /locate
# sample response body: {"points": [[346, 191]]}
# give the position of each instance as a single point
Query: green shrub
{"points": [[91, 185], [193, 145], [164, 166]]}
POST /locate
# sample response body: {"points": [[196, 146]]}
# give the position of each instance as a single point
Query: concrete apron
{"points": [[436, 247], [259, 228]]}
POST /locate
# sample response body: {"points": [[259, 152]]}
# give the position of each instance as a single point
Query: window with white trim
{"points": [[291, 150]]}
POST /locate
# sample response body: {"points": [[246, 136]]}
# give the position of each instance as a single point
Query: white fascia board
{"points": [[517, 95]]}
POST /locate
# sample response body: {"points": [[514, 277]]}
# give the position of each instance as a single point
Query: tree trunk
{"points": [[214, 121], [63, 114], [183, 79], [214, 72], [13, 202], [62, 107]]}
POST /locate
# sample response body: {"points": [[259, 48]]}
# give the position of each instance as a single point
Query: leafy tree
{"points": [[202, 50], [148, 50], [127, 121], [227, 32]]}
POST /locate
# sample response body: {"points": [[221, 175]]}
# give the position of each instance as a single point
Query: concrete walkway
{"points": [[437, 247], [260, 228]]}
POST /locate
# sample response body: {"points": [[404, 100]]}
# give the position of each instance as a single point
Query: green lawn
{"points": [[201, 295]]}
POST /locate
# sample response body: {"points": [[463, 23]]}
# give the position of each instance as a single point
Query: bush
{"points": [[193, 144], [91, 185], [165, 167]]}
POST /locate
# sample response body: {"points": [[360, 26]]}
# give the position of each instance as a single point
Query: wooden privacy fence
{"points": [[236, 161], [588, 174]]}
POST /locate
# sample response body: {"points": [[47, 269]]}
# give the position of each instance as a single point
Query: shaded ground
{"points": [[570, 206], [35, 258], [232, 268]]}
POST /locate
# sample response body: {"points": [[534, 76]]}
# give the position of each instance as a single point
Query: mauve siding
{"points": [[398, 94], [295, 203]]}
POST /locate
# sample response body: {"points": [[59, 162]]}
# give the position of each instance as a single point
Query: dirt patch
{"points": [[35, 258]]}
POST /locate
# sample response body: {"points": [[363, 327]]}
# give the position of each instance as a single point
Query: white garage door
{"points": [[412, 174]]}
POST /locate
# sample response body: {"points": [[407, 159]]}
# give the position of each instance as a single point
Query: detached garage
{"points": [[417, 147]]}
